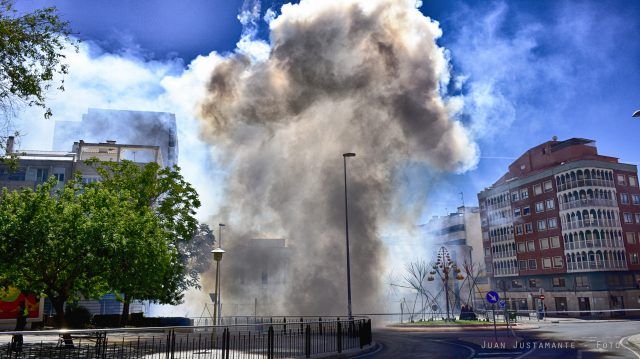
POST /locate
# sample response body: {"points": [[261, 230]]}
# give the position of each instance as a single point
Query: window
{"points": [[548, 186], [516, 283], [522, 247], [551, 204], [544, 243], [533, 283], [539, 207], [557, 262], [522, 265], [553, 222], [526, 211], [532, 264], [631, 238], [519, 229], [59, 177], [635, 199], [42, 174], [528, 228], [638, 218], [559, 282], [514, 197], [621, 180], [613, 280], [542, 225], [531, 246], [582, 281], [624, 198], [516, 212], [537, 189], [627, 217], [487, 252], [524, 193], [546, 263], [555, 242], [633, 258], [627, 280], [265, 278], [633, 182]]}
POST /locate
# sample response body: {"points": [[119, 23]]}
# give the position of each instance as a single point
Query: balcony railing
{"points": [[502, 238], [591, 202], [596, 265], [595, 243], [505, 272], [504, 254], [589, 223], [585, 182]]}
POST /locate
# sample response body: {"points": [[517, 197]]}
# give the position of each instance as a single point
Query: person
{"points": [[21, 324]]}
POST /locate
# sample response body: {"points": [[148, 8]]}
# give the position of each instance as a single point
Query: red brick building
{"points": [[564, 222]]}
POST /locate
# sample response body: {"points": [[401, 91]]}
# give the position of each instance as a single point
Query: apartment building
{"points": [[560, 230]]}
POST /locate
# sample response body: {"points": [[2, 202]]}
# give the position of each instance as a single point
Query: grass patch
{"points": [[448, 323]]}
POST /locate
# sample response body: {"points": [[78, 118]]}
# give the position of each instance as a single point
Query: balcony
{"points": [[590, 223], [596, 265], [502, 238], [595, 244], [504, 254], [592, 202], [503, 272], [585, 183]]}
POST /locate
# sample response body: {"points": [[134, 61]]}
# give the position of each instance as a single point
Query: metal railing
{"points": [[590, 223], [587, 265], [595, 244], [585, 182], [598, 202], [266, 340], [504, 254]]}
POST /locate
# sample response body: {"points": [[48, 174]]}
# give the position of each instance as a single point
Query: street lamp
{"points": [[217, 256], [636, 114], [346, 221], [446, 269]]}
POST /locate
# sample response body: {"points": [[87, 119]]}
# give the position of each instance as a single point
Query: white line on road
{"points": [[473, 351], [626, 347], [499, 353]]}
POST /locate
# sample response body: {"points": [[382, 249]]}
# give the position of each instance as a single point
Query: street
{"points": [[567, 339]]}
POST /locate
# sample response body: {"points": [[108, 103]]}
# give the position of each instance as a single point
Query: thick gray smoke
{"points": [[341, 76]]}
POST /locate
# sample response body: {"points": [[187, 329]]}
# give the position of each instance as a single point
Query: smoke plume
{"points": [[361, 76]]}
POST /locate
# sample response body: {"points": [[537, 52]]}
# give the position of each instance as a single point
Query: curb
{"points": [[351, 352], [452, 328]]}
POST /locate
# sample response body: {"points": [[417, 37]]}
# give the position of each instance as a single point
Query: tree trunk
{"points": [[124, 319], [60, 320]]}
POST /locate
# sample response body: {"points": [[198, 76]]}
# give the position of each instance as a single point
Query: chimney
{"points": [[10, 143]]}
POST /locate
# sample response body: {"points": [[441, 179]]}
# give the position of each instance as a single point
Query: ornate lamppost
{"points": [[446, 269]]}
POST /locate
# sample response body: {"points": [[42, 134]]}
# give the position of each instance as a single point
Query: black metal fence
{"points": [[290, 339]]}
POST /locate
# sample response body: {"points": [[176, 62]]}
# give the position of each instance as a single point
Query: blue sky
{"points": [[529, 70]]}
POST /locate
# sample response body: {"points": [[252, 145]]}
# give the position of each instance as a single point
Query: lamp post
{"points": [[217, 256], [219, 300], [346, 221]]}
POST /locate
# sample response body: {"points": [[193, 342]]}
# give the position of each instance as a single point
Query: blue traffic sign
{"points": [[492, 297], [502, 303]]}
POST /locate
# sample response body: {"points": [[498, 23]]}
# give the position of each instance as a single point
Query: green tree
{"points": [[31, 53], [144, 272], [55, 242]]}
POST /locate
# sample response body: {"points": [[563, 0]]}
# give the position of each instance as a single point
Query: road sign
{"points": [[502, 303], [492, 297], [542, 297]]}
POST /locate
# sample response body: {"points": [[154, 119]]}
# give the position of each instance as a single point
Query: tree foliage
{"points": [[126, 234], [31, 54], [173, 201]]}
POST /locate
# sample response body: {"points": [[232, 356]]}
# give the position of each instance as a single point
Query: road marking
{"points": [[473, 351], [499, 353], [365, 355], [527, 353], [621, 342]]}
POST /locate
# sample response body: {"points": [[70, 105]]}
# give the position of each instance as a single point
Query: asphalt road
{"points": [[582, 339]]}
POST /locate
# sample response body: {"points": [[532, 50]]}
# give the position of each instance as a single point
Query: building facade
{"points": [[560, 231], [36, 167]]}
